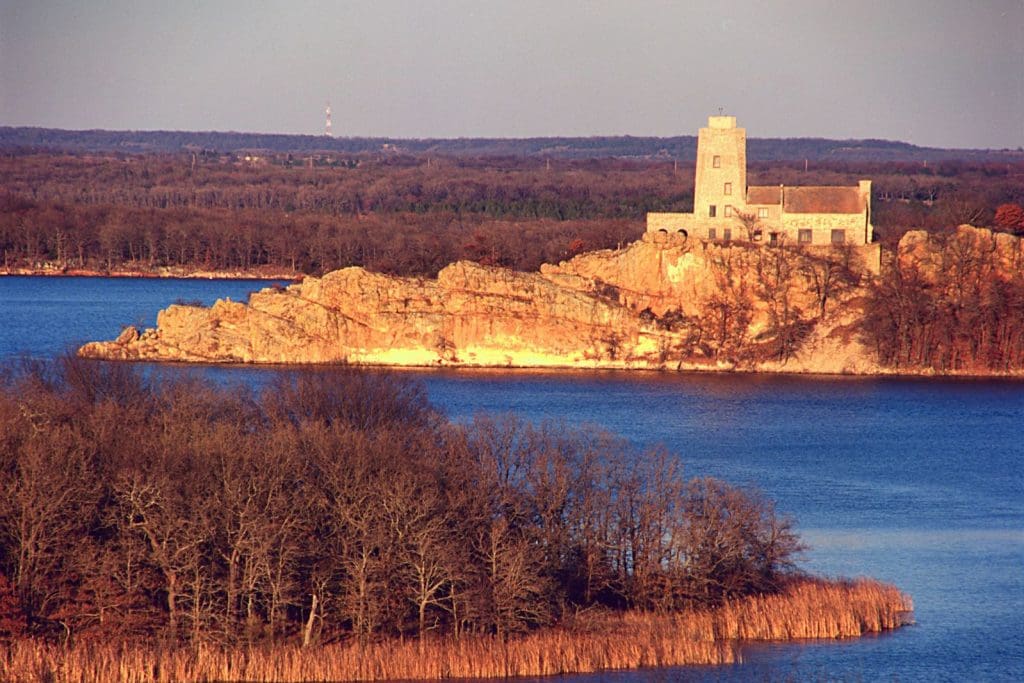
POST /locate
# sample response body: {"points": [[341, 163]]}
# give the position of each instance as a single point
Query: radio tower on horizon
{"points": [[327, 123]]}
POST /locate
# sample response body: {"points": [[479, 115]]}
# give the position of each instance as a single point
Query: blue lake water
{"points": [[919, 482]]}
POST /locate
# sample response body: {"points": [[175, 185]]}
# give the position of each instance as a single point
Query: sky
{"points": [[943, 73]]}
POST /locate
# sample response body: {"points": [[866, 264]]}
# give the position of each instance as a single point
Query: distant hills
{"points": [[682, 147]]}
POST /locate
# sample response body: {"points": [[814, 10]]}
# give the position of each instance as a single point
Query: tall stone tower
{"points": [[721, 179]]}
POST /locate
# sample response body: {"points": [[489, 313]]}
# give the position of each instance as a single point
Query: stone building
{"points": [[725, 208]]}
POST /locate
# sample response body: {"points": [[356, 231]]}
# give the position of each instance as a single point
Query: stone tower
{"points": [[721, 179], [725, 209]]}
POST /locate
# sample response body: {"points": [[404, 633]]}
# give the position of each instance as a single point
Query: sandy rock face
{"points": [[664, 275], [470, 315], [1002, 254], [661, 302]]}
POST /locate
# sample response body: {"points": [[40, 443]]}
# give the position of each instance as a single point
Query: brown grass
{"points": [[808, 609]]}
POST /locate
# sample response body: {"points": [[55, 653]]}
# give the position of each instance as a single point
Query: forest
{"points": [[410, 215], [161, 526], [965, 314], [169, 525], [337, 502]]}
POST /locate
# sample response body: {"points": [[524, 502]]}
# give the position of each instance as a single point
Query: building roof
{"points": [[763, 194], [823, 200], [811, 199]]}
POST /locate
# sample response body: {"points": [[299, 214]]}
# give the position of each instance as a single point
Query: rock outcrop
{"points": [[470, 315], [997, 254], [661, 302]]}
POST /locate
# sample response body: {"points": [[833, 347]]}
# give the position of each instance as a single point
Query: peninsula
{"points": [[756, 278], [667, 301]]}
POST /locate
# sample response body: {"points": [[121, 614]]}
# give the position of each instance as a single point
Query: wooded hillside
{"points": [[407, 214]]}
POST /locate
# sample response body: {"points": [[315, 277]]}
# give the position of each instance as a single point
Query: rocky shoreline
{"points": [[661, 303], [55, 270]]}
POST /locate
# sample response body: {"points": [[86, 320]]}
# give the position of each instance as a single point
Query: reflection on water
{"points": [[874, 539]]}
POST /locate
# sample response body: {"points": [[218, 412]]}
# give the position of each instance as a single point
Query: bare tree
{"points": [[776, 286], [830, 275], [750, 224]]}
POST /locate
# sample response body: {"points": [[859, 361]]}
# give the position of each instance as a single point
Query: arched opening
{"points": [[663, 230], [683, 233]]}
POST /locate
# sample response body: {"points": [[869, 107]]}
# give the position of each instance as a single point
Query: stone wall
{"points": [[672, 222], [822, 225]]}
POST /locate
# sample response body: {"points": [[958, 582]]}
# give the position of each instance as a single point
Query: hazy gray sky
{"points": [[946, 73]]}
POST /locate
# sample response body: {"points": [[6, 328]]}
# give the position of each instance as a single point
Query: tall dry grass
{"points": [[808, 609], [815, 609]]}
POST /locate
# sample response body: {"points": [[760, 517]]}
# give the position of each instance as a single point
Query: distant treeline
{"points": [[339, 503], [406, 215], [676, 147]]}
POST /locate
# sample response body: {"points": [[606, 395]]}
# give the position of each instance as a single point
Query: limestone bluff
{"points": [[663, 302]]}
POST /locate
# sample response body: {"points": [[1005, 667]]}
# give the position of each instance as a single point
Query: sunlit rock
{"points": [[664, 301]]}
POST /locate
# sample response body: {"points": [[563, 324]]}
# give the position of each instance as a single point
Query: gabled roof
{"points": [[763, 194], [811, 199], [823, 200]]}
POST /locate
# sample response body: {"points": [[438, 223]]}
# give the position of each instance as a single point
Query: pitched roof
{"points": [[810, 199], [763, 194], [823, 200]]}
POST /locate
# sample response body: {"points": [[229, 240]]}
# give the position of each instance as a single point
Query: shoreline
{"points": [[651, 305], [166, 273], [808, 609], [694, 369]]}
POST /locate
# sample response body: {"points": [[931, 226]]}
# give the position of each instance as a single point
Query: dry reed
{"points": [[808, 609]]}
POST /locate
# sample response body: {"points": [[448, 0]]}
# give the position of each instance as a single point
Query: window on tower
{"points": [[712, 211], [728, 188], [716, 161]]}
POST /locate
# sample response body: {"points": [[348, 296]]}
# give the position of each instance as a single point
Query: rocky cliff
{"points": [[661, 302]]}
